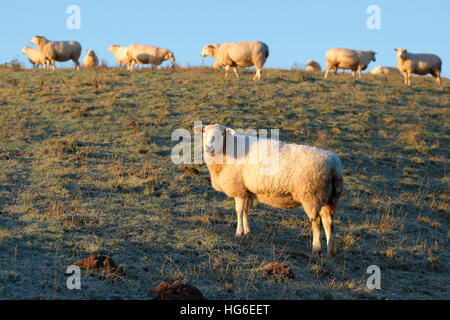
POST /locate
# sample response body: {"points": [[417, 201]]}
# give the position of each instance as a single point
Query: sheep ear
{"points": [[395, 49]]}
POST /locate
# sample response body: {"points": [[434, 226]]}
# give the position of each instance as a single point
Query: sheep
{"points": [[144, 54], [305, 175], [418, 63], [34, 56], [52, 51], [356, 60], [120, 53], [312, 65], [90, 60], [234, 54], [381, 70]]}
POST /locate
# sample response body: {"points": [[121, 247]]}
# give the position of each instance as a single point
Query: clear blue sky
{"points": [[295, 31]]}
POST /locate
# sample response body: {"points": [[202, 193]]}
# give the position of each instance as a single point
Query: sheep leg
{"points": [[316, 223], [245, 218], [240, 208], [258, 74], [437, 74], [226, 71], [409, 79], [359, 73], [313, 213], [326, 214], [326, 73], [236, 72]]}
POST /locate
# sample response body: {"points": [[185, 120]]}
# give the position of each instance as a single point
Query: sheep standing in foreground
{"points": [[34, 56], [304, 175], [52, 51], [238, 54], [144, 54], [355, 60], [380, 70], [312, 65], [90, 60], [120, 53], [418, 63]]}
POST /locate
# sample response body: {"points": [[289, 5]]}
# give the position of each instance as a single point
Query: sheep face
{"points": [[372, 55], [112, 47], [36, 40], [401, 53], [170, 56], [25, 50], [91, 53], [210, 50], [213, 139]]}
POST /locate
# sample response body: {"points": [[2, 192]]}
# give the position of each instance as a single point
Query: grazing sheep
{"points": [[144, 54], [380, 70], [34, 56], [52, 51], [120, 53], [90, 60], [355, 60], [305, 175], [418, 63], [238, 54], [312, 65]]}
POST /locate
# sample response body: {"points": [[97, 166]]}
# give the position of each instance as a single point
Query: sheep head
{"points": [[401, 53], [112, 47], [37, 40], [210, 50], [372, 55], [169, 56], [25, 50], [91, 53]]}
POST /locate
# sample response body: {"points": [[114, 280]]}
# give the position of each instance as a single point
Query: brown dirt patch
{"points": [[189, 170], [175, 290], [278, 270], [100, 263]]}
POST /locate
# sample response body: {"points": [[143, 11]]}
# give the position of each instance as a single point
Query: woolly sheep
{"points": [[305, 175], [144, 54], [312, 65], [381, 70], [90, 60], [34, 56], [418, 63], [234, 54], [52, 51], [120, 53], [355, 60]]}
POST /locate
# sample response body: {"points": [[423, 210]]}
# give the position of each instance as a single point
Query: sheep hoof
{"points": [[316, 250]]}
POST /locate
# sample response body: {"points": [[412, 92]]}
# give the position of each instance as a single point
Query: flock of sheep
{"points": [[232, 55], [305, 175]]}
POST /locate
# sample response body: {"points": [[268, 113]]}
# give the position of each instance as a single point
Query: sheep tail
{"points": [[267, 52], [337, 183]]}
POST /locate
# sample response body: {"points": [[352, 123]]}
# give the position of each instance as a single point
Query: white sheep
{"points": [[418, 63], [304, 175], [52, 51], [90, 60], [382, 70], [120, 53], [34, 56], [355, 60], [238, 54], [312, 65], [144, 54]]}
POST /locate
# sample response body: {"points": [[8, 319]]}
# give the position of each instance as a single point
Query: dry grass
{"points": [[85, 170]]}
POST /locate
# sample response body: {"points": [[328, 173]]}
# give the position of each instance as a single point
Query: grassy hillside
{"points": [[85, 169]]}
